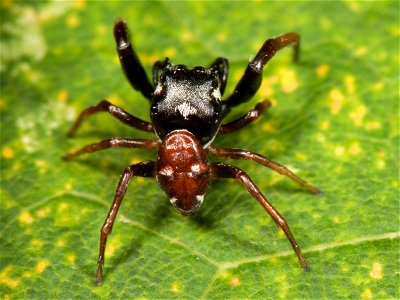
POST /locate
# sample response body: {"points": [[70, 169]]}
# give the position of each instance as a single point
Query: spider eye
{"points": [[216, 95], [159, 89]]}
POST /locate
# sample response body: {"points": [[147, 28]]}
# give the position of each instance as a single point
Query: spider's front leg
{"points": [[219, 170], [248, 118], [144, 169], [252, 77], [130, 62]]}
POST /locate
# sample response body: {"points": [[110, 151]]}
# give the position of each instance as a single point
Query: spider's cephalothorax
{"points": [[186, 115], [187, 98]]}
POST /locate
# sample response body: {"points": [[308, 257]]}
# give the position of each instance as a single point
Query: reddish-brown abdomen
{"points": [[183, 170]]}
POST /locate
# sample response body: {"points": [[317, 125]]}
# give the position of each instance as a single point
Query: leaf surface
{"points": [[334, 121]]}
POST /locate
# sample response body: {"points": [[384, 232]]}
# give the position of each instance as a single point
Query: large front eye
{"points": [[215, 95], [159, 89]]}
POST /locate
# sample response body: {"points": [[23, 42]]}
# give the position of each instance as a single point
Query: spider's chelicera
{"points": [[186, 115]]}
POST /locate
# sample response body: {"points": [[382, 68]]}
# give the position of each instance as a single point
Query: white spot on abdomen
{"points": [[166, 171]]}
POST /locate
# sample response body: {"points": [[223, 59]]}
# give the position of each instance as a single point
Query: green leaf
{"points": [[335, 122]]}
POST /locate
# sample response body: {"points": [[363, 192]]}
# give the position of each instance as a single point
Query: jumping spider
{"points": [[186, 115]]}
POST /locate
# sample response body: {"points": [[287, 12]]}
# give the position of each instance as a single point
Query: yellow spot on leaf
{"points": [[7, 152], [367, 294], [277, 146], [6, 280], [43, 212], [268, 127], [42, 165], [358, 115], [325, 23], [349, 81], [355, 148], [300, 156], [355, 7], [170, 52], [115, 100], [68, 186], [376, 271], [25, 218], [63, 206], [37, 243], [79, 4], [322, 70], [224, 275], [321, 138], [71, 258], [289, 81], [110, 250], [60, 243], [135, 161], [382, 154], [101, 29], [373, 125], [336, 100], [41, 266], [380, 164], [325, 125], [360, 51], [187, 36], [7, 3], [221, 37], [378, 86], [266, 90], [72, 21], [62, 96], [339, 151], [235, 281], [3, 103], [175, 287]]}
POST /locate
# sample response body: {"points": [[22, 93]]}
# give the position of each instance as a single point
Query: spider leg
{"points": [[265, 161], [130, 62], [115, 111], [114, 143], [252, 77], [220, 170], [156, 67], [248, 118], [143, 169], [221, 65]]}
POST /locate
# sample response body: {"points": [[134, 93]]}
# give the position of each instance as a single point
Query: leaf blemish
{"points": [[336, 100], [358, 115], [71, 258], [349, 81], [41, 266], [72, 21], [322, 70], [7, 152], [376, 271], [25, 217], [235, 281], [175, 287], [289, 81], [6, 280]]}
